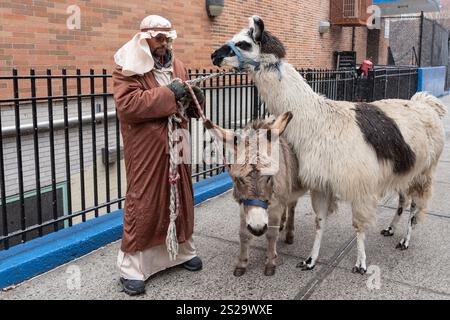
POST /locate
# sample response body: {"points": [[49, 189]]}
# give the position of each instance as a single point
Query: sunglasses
{"points": [[161, 38]]}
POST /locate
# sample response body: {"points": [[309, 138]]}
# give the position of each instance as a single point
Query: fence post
{"points": [[385, 80], [255, 103], [370, 95], [421, 38]]}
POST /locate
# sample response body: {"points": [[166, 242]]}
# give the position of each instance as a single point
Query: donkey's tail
{"points": [[432, 101]]}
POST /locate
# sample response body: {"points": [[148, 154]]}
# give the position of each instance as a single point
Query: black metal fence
{"points": [[60, 144], [334, 84], [387, 83]]}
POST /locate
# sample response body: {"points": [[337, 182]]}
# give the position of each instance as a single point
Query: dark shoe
{"points": [[195, 264], [133, 287]]}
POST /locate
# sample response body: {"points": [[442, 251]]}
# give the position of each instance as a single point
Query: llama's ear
{"points": [[281, 123], [256, 27], [219, 132]]}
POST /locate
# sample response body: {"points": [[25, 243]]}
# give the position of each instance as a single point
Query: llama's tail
{"points": [[432, 101], [333, 205]]}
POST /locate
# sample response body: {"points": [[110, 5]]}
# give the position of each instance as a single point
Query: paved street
{"points": [[421, 272]]}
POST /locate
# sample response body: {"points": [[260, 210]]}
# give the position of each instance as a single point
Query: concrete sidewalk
{"points": [[421, 272]]}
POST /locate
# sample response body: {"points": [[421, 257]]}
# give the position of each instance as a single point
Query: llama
{"points": [[357, 152], [267, 197]]}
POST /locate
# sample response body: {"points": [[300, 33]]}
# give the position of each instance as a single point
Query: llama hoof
{"points": [[402, 245], [239, 271], [388, 232], [269, 271], [306, 265], [359, 270], [289, 239]]}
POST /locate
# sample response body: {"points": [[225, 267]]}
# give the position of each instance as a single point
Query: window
{"points": [[31, 213], [350, 8]]}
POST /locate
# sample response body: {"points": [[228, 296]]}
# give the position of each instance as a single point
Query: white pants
{"points": [[143, 264]]}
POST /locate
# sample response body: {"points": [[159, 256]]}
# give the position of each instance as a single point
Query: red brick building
{"points": [[34, 34]]}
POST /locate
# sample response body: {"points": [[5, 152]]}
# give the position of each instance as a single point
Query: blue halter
{"points": [[255, 203], [242, 61]]}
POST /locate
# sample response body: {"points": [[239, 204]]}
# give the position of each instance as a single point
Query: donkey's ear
{"points": [[219, 132], [256, 27], [281, 123]]}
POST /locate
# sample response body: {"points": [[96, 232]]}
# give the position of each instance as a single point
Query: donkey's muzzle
{"points": [[258, 232]]}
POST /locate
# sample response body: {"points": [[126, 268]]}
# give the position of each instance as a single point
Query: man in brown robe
{"points": [[145, 97]]}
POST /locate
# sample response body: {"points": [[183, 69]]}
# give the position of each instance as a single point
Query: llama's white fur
{"points": [[333, 155]]}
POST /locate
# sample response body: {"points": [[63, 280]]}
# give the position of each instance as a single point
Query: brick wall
{"points": [[34, 33]]}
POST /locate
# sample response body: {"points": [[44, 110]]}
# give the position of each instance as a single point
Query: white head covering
{"points": [[135, 56]]}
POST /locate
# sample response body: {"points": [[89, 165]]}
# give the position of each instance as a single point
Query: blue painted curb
{"points": [[37, 256]]}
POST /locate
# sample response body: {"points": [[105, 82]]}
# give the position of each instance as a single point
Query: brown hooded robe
{"points": [[143, 107]]}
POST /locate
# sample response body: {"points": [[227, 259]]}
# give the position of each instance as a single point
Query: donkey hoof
{"points": [[402, 245], [388, 232], [239, 271], [359, 270], [269, 271], [289, 239]]}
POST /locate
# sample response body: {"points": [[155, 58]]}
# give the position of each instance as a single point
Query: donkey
{"points": [[267, 197], [355, 151]]}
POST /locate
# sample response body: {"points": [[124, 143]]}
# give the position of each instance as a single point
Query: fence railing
{"points": [[391, 83], [61, 154]]}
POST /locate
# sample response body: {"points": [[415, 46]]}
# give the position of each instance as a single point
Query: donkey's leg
{"points": [[245, 238], [321, 203], [290, 223], [402, 204], [363, 214], [275, 215], [420, 194]]}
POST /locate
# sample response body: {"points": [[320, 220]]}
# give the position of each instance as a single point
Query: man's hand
{"points": [[178, 89], [192, 111], [198, 94]]}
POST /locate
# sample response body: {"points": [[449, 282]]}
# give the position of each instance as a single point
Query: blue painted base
{"points": [[37, 256]]}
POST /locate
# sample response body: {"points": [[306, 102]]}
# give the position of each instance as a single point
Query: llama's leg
{"points": [[402, 204], [283, 219], [404, 243], [320, 202], [420, 197], [245, 238], [360, 266], [290, 223], [363, 213], [273, 231]]}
